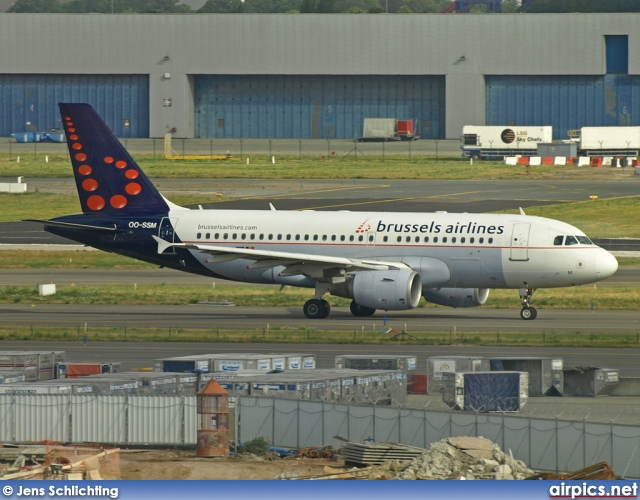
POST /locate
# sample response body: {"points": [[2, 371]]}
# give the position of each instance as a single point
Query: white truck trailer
{"points": [[609, 141], [495, 142]]}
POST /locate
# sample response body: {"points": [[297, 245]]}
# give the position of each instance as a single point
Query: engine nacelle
{"points": [[457, 297], [391, 290]]}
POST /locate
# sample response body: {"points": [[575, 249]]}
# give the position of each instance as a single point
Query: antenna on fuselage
{"points": [[521, 211], [273, 209]]}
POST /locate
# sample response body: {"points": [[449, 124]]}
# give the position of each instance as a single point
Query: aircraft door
{"points": [[167, 231], [520, 241]]}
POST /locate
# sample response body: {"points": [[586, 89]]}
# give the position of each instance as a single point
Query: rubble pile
{"points": [[455, 458]]}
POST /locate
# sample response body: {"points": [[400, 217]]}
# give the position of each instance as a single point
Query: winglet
{"points": [[273, 209], [521, 211]]}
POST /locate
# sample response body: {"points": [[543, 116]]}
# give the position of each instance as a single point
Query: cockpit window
{"points": [[584, 240], [570, 240], [558, 240]]}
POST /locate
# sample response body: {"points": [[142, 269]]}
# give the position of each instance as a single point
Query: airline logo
{"points": [[364, 227]]}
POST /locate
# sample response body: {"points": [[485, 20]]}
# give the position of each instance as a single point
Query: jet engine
{"points": [[390, 290], [457, 297]]}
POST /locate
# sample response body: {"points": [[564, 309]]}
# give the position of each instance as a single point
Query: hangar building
{"points": [[319, 75]]}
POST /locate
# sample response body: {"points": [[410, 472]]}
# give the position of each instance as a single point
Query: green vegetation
{"points": [[308, 335], [602, 297]]}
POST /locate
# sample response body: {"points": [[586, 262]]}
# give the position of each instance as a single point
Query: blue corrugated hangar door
{"points": [[29, 103], [314, 107], [566, 103]]}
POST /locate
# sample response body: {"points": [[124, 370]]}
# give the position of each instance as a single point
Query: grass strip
{"points": [[316, 336]]}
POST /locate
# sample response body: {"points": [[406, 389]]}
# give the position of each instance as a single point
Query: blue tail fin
{"points": [[109, 181]]}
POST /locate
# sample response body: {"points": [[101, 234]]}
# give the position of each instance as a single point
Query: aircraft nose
{"points": [[606, 265]]}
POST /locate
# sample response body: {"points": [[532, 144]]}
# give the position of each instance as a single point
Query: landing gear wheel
{"points": [[529, 313], [361, 311], [316, 309]]}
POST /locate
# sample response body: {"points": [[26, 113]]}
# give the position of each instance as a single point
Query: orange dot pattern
{"points": [[96, 202]]}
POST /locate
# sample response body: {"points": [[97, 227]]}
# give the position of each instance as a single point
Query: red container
{"points": [[405, 128], [596, 161], [547, 160], [417, 384]]}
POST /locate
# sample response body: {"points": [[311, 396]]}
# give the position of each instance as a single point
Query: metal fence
{"points": [[545, 444]]}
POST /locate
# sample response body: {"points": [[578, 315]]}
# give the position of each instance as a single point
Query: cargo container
{"points": [[546, 376], [388, 129], [180, 364], [437, 366], [590, 381], [69, 370], [609, 141], [495, 142], [20, 361], [369, 362], [483, 392]]}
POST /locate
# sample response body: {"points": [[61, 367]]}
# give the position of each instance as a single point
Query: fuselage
{"points": [[477, 250]]}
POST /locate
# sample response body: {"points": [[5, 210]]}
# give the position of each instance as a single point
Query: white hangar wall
{"points": [[451, 70]]}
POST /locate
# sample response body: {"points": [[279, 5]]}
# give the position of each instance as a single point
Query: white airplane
{"points": [[380, 260]]}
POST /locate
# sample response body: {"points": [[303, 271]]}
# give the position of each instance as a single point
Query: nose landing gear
{"points": [[527, 311]]}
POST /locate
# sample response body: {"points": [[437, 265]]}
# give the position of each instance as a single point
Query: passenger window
{"points": [[399, 239], [217, 236], [297, 237], [481, 240], [270, 236], [262, 236], [235, 236], [324, 237], [252, 237], [444, 240], [306, 237], [315, 237], [435, 239], [426, 239], [360, 238], [288, 237], [453, 240], [408, 239], [490, 240], [244, 236], [371, 237], [463, 239], [558, 240], [417, 239], [199, 235], [472, 240], [570, 240], [208, 236], [351, 238], [279, 237], [385, 239], [342, 237], [333, 237], [226, 236]]}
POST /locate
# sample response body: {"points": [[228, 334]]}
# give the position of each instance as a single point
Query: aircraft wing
{"points": [[296, 263]]}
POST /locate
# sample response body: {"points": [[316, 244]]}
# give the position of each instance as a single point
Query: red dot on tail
{"points": [[69, 124], [89, 184], [108, 159], [95, 202], [67, 118], [71, 129], [84, 170], [133, 188], [118, 201], [121, 164], [81, 157], [131, 174], [77, 146], [73, 137]]}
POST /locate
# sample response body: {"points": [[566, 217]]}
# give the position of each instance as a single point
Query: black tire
{"points": [[361, 311], [314, 309], [528, 313], [326, 307]]}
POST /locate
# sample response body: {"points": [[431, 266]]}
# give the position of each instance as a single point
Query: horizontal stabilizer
{"points": [[70, 225]]}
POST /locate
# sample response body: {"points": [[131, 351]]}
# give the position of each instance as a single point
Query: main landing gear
{"points": [[316, 309], [320, 309], [527, 311]]}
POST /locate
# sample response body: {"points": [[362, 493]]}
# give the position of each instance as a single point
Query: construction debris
{"points": [[452, 458], [601, 470]]}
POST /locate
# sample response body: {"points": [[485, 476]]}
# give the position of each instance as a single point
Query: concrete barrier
{"points": [[627, 387], [14, 187]]}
